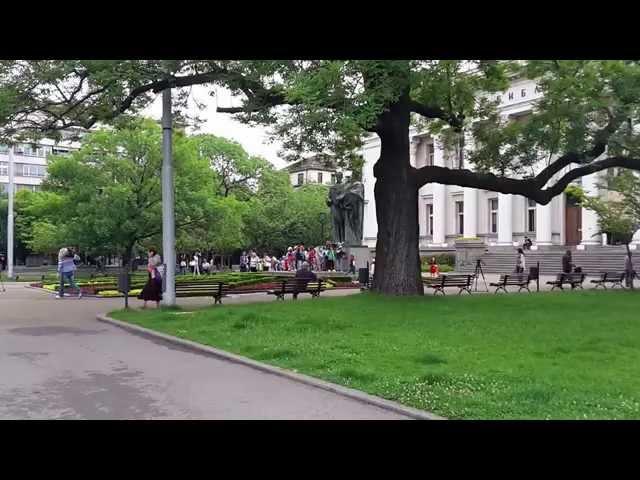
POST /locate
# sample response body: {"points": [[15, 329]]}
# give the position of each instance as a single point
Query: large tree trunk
{"points": [[397, 270]]}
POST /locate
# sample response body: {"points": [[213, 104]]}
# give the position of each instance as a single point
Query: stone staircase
{"points": [[593, 261]]}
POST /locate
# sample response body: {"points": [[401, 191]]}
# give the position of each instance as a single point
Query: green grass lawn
{"points": [[566, 355]]}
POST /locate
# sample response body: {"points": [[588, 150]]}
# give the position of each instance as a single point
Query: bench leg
{"points": [[217, 300], [464, 289], [524, 287], [436, 290], [500, 288]]}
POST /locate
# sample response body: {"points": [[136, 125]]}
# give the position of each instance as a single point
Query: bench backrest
{"points": [[514, 278], [456, 279], [616, 276], [202, 286], [301, 284]]}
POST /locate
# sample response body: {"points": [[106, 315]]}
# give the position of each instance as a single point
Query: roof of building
{"points": [[316, 162]]}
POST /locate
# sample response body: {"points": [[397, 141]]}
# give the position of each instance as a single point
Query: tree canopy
{"points": [[585, 121]]}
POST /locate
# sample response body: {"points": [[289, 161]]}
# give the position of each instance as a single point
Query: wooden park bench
{"points": [[573, 279], [214, 289], [615, 278], [296, 286], [462, 281], [520, 280]]}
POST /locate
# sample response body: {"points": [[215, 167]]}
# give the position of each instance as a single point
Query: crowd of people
{"points": [[323, 258]]}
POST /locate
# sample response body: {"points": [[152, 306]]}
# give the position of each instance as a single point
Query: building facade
{"points": [[319, 169], [448, 212], [30, 163]]}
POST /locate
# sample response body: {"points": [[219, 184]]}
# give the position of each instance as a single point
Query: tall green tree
{"points": [[618, 216], [586, 120], [106, 196]]}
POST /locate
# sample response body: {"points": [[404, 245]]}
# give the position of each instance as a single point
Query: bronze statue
{"points": [[347, 212]]}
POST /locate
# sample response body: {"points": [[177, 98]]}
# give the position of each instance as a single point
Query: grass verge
{"points": [[566, 355]]}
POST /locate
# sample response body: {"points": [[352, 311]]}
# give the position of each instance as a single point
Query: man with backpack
{"points": [[66, 269]]}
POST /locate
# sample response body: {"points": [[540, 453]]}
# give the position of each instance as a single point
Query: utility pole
{"points": [[168, 217], [10, 215]]}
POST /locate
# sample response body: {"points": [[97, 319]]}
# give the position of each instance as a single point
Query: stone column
{"points": [[413, 150], [589, 217], [505, 226], [470, 212], [439, 201], [543, 224]]}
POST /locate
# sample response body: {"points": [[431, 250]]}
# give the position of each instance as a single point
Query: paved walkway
{"points": [[57, 361]]}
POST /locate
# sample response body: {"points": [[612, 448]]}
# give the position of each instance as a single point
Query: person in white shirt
{"points": [[253, 262], [206, 266], [196, 264]]}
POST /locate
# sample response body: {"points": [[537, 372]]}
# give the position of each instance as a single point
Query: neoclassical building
{"points": [[447, 212]]}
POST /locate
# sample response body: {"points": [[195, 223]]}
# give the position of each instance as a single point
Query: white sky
{"points": [[253, 139]]}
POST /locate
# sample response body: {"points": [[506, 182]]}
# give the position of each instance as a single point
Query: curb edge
{"points": [[351, 393]]}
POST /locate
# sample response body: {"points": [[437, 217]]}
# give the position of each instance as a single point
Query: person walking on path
{"points": [[567, 264], [520, 261], [629, 271], [152, 291], [66, 269]]}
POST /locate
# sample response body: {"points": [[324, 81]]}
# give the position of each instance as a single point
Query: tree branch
{"points": [[526, 187], [436, 112]]}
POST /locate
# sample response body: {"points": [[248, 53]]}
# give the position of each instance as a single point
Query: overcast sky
{"points": [[253, 139]]}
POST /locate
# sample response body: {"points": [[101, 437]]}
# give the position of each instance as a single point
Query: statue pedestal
{"points": [[362, 254]]}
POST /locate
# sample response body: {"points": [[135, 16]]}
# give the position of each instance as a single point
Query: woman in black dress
{"points": [[153, 288]]}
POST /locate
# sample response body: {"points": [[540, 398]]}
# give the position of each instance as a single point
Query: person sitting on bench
{"points": [[304, 276]]}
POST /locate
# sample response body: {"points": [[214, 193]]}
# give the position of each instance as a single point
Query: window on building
{"points": [[4, 148], [460, 217], [28, 170], [493, 215], [430, 218], [4, 187], [300, 178], [4, 169], [531, 215], [333, 178], [319, 177], [59, 151], [430, 154]]}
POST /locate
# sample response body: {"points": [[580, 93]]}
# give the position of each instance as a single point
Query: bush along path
{"points": [[239, 282]]}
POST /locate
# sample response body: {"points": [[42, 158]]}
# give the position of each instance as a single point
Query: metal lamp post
{"points": [[168, 217], [10, 215]]}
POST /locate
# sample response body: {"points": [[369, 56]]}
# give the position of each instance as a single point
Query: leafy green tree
{"points": [[280, 216], [106, 196], [585, 120], [618, 216], [234, 170]]}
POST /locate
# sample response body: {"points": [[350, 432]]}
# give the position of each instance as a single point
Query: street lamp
{"points": [[168, 217], [10, 216]]}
